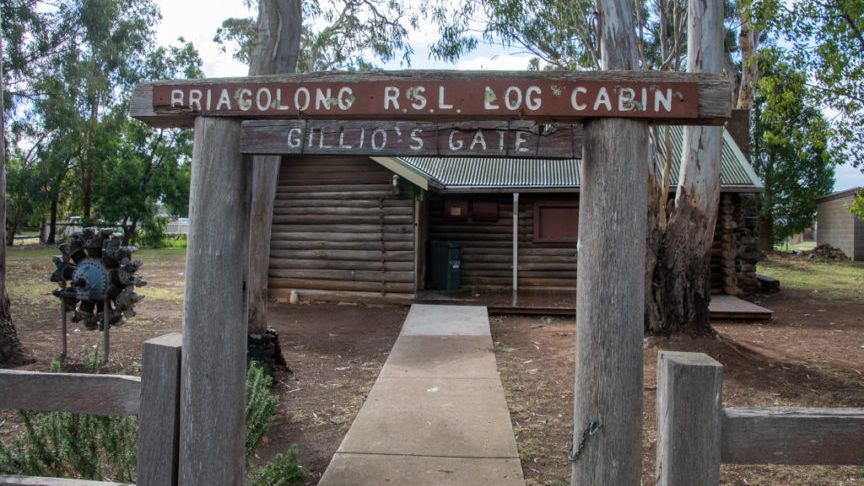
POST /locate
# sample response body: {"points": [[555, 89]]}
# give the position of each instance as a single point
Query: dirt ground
{"points": [[810, 354]]}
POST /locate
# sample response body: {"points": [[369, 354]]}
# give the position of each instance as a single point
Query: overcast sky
{"points": [[197, 21]]}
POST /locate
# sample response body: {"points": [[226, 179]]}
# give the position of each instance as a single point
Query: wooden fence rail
{"points": [[695, 434], [154, 398]]}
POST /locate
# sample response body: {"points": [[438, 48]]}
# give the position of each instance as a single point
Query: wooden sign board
{"points": [[694, 98], [369, 137]]}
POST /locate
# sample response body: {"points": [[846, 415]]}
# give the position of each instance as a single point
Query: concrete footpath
{"points": [[437, 413]]}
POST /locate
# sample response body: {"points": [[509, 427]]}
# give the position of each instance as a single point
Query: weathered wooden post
{"points": [[159, 416], [214, 327], [610, 290], [689, 410]]}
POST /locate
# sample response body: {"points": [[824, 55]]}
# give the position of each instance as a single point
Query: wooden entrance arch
{"points": [[412, 113]]}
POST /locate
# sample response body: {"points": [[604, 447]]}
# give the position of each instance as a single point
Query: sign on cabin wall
{"points": [[355, 137]]}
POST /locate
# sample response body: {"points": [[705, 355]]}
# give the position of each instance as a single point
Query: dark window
{"points": [[556, 221], [456, 211]]}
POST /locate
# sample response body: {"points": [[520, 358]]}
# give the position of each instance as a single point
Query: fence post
{"points": [[689, 410], [159, 417]]}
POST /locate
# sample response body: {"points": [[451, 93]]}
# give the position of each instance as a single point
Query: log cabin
{"points": [[356, 228]]}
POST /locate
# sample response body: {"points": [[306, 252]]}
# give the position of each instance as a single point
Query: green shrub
{"points": [[153, 233], [260, 405], [61, 444], [282, 470]]}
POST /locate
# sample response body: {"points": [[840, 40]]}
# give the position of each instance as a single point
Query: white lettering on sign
{"points": [[279, 105], [295, 137], [521, 141], [591, 99], [342, 141], [345, 98], [417, 142], [307, 99], [176, 97], [513, 98], [323, 99], [195, 99], [321, 143], [603, 98], [391, 96], [479, 140], [665, 100], [441, 104], [417, 95], [244, 99], [382, 139], [536, 102], [625, 99], [375, 137], [455, 145], [263, 99], [574, 98], [224, 99], [489, 99]]}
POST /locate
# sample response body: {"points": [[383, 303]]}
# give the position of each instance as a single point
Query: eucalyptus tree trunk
{"points": [[275, 50], [607, 405], [749, 62], [12, 352], [680, 288]]}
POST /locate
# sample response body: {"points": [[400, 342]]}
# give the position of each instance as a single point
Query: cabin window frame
{"points": [[538, 208]]}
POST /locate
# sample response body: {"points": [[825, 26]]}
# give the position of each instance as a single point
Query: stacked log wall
{"points": [[748, 254], [341, 228], [724, 276], [736, 246], [487, 246]]}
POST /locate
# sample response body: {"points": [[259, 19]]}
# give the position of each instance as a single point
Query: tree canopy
{"points": [[70, 67], [342, 34], [791, 148]]}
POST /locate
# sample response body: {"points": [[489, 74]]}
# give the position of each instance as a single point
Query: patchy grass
{"points": [[30, 268], [829, 279], [28, 272], [160, 294]]}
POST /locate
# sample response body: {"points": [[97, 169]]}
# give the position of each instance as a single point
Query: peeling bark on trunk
{"points": [[276, 49], [680, 288], [12, 352]]}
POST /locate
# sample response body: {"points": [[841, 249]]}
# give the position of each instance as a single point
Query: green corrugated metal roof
{"points": [[472, 173]]}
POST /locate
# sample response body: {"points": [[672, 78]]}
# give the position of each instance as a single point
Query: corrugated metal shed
{"points": [[503, 174]]}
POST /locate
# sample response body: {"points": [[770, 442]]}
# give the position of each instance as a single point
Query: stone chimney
{"points": [[739, 128]]}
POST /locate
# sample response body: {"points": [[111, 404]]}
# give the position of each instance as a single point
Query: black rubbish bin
{"points": [[446, 262]]}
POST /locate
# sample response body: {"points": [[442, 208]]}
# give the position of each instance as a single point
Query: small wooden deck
{"points": [[563, 302]]}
